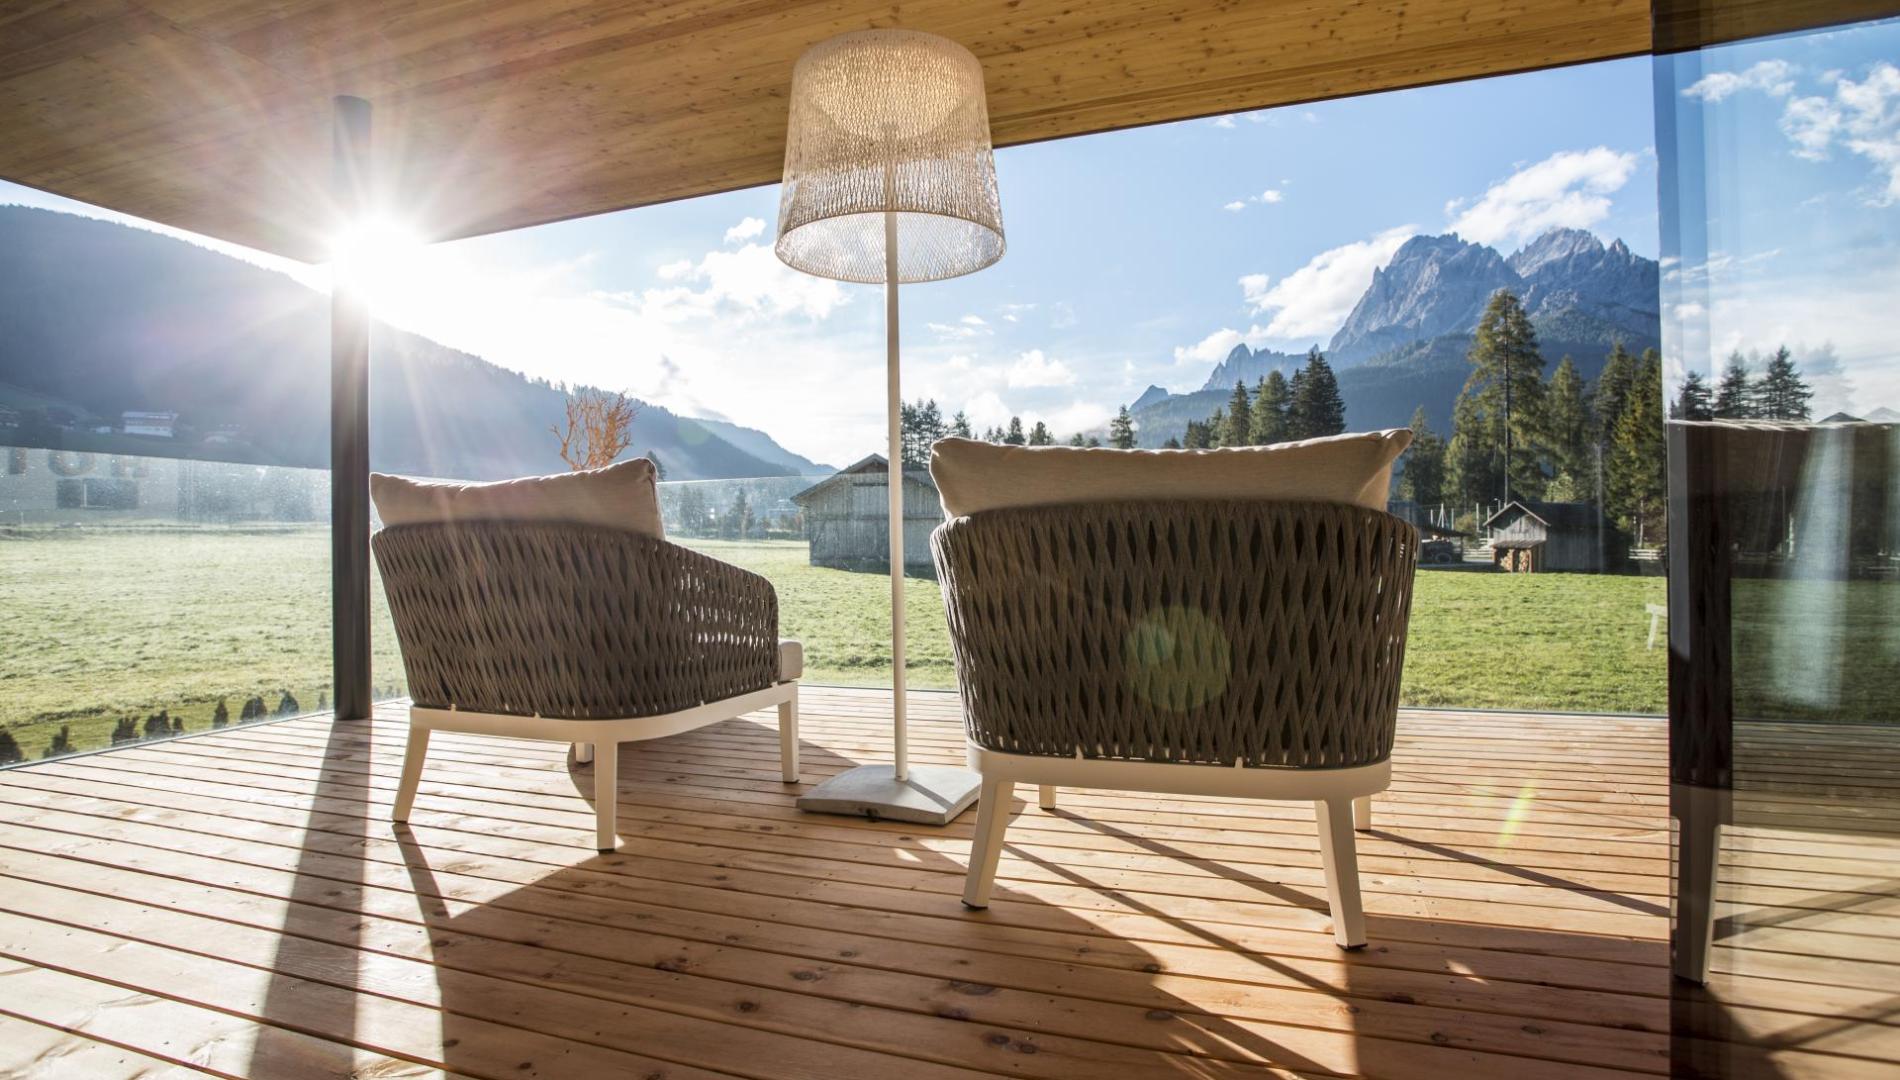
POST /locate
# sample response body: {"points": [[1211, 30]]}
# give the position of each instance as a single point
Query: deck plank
{"points": [[1516, 889]]}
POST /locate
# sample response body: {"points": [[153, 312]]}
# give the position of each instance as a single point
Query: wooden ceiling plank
{"points": [[514, 112]]}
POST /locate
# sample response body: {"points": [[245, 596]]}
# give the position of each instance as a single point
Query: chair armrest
{"points": [[572, 621]]}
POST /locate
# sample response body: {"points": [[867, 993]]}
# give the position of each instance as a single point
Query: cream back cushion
{"points": [[621, 496], [975, 476]]}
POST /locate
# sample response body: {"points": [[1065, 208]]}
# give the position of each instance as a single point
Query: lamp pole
{"points": [[893, 408]]}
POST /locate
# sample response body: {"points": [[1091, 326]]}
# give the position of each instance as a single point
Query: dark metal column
{"points": [[349, 429]]}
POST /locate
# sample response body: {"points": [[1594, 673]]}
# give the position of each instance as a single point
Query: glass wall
{"points": [[143, 597], [1780, 162]]}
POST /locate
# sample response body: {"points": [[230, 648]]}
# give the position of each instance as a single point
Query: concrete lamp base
{"points": [[933, 794]]}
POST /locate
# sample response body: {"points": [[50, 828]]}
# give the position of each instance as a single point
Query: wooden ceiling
{"points": [[214, 115]]}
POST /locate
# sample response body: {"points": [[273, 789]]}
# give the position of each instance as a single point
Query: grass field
{"points": [[99, 624]]}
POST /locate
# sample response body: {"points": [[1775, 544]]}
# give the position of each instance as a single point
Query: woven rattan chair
{"points": [[581, 634], [1241, 649]]}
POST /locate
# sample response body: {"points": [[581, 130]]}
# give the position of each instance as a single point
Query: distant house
{"points": [[162, 425], [847, 519], [1531, 537]]}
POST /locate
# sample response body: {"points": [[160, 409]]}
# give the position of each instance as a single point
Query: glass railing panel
{"points": [[145, 597]]}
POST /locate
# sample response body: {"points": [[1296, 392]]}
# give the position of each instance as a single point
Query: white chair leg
{"points": [[1046, 796], [583, 753], [606, 794], [1338, 851], [986, 848], [412, 756], [1362, 813], [788, 738]]}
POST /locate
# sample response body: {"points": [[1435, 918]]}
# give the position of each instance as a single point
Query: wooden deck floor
{"points": [[238, 904]]}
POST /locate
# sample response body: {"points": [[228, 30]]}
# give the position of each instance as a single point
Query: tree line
{"points": [[1306, 406], [921, 424], [1519, 435]]}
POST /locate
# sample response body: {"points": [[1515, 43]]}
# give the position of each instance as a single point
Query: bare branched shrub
{"points": [[599, 426]]}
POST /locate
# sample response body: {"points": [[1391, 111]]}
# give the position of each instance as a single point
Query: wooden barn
{"points": [[1531, 537], [846, 518]]}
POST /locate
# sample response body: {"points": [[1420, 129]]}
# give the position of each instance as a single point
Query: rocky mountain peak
{"points": [[1429, 288]]}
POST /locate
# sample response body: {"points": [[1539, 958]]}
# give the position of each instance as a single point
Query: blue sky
{"points": [[1142, 256]]}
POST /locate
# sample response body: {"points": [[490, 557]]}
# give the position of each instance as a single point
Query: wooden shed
{"points": [[1531, 537], [846, 518]]}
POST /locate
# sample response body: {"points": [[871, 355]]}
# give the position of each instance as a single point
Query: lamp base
{"points": [[933, 794]]}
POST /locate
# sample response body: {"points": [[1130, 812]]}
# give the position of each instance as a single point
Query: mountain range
{"points": [[1404, 343], [98, 319]]}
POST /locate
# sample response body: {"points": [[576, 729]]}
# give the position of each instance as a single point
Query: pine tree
{"points": [[1693, 401], [1172, 444], [1423, 478], [9, 748], [221, 715], [1734, 398], [1269, 421], [1637, 481], [738, 521], [1195, 437], [1040, 436], [1121, 430], [1094, 443], [287, 705], [1078, 439], [1471, 470], [1782, 394], [960, 425], [1507, 385], [1015, 436], [1316, 408], [125, 730], [158, 725], [1568, 433], [1237, 429]]}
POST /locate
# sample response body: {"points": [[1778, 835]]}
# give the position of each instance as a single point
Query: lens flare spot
{"points": [[1178, 658], [1519, 812]]}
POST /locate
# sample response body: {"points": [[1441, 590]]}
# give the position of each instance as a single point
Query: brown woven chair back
{"points": [[572, 621], [1216, 633]]}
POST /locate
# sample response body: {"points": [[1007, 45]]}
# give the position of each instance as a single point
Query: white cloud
{"points": [[1015, 312], [1035, 369], [748, 282], [1862, 117], [745, 230], [1224, 122], [986, 410], [1772, 77], [1570, 188], [1214, 348], [1313, 300], [970, 326], [1269, 196]]}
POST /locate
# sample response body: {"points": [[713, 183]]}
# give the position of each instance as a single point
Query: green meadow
{"points": [[100, 624]]}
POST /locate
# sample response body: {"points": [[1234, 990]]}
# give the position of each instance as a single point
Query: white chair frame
{"points": [[1341, 798], [598, 741]]}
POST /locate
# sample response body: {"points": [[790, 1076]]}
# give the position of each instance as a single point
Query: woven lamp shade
{"points": [[889, 120]]}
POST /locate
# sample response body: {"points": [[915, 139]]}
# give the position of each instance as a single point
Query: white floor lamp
{"points": [[889, 179]]}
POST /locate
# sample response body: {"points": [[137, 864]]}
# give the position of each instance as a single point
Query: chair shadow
{"points": [[678, 936]]}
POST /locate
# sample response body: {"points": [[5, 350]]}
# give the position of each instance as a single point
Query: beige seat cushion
{"points": [[621, 496], [974, 476], [791, 659]]}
